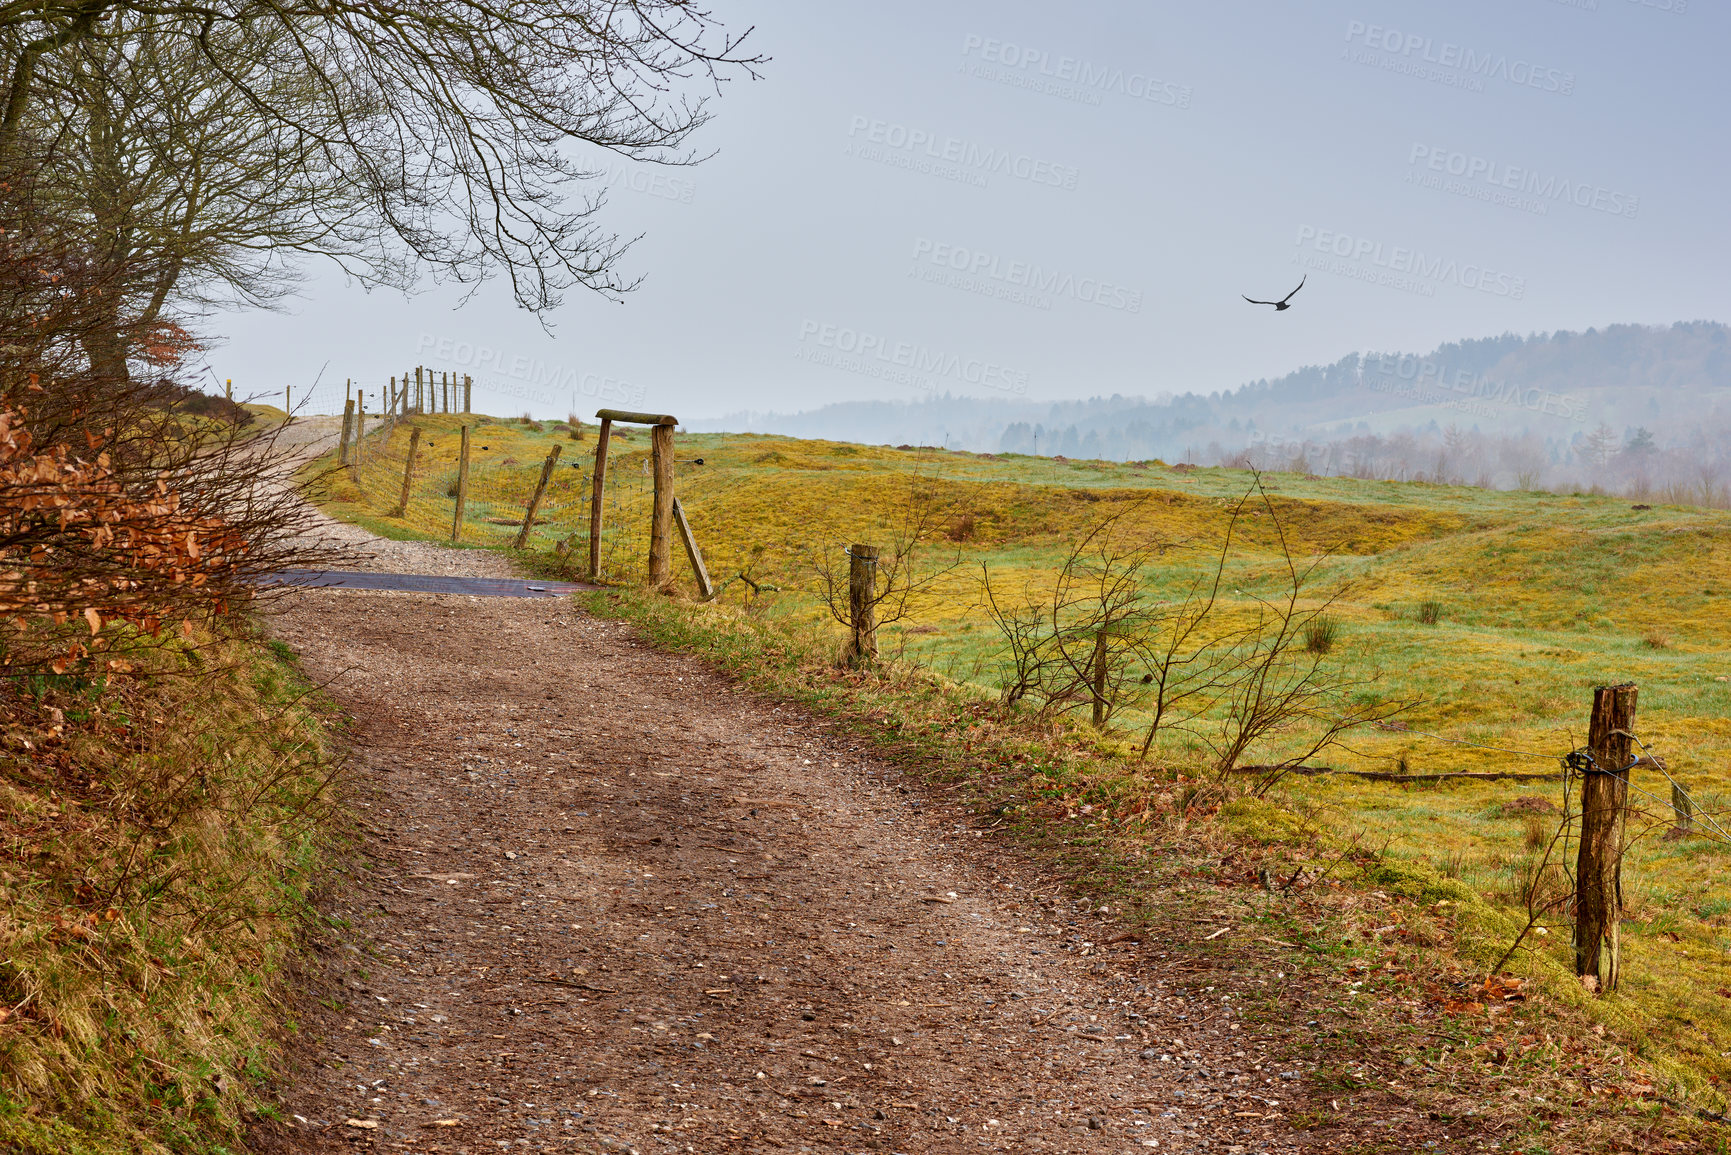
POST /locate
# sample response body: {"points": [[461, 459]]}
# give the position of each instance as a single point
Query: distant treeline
{"points": [[1625, 406]]}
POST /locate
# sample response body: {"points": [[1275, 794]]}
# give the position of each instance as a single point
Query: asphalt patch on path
{"points": [[608, 901], [482, 587]]}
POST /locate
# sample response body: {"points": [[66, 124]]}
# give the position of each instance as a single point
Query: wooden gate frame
{"points": [[666, 511]]}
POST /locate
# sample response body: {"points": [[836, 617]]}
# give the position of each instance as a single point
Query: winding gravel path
{"points": [[618, 904]]}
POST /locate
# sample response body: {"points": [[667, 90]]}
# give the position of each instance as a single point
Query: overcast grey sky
{"points": [[1061, 201]]}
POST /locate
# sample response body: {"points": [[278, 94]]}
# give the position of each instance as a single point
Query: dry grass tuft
{"points": [[1321, 633]]}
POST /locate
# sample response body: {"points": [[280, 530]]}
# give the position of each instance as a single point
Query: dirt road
{"points": [[618, 904]]}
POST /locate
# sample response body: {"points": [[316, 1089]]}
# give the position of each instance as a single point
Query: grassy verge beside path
{"points": [[159, 833]]}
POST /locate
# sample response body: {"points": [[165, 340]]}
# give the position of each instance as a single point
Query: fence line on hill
{"points": [[418, 390]]}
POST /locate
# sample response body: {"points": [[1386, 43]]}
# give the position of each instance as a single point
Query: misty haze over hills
{"points": [[1625, 406]]}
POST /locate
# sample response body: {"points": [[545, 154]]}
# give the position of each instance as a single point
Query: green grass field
{"points": [[1536, 597]]}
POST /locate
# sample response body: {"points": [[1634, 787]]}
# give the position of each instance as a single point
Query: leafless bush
{"points": [[1233, 683], [1074, 644], [1278, 689]]}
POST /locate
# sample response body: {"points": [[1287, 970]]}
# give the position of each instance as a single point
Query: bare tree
{"points": [[1099, 613], [465, 127], [1023, 625], [183, 197], [1599, 446], [1191, 658], [1074, 644]]}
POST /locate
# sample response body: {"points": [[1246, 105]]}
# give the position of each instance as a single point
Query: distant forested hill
{"points": [[1558, 394]]}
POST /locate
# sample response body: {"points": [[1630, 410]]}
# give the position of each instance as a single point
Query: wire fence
{"points": [[403, 472], [421, 494], [415, 390], [1682, 808]]}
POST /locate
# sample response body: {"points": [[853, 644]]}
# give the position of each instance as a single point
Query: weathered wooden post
{"points": [[462, 486], [287, 405], [862, 603], [661, 519], [348, 430], [228, 390], [1684, 809], [596, 492], [705, 587], [1604, 809], [408, 472], [468, 394], [420, 392], [445, 390], [535, 499], [1102, 647]]}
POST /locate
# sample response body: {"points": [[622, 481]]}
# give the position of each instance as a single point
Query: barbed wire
{"points": [[1581, 761], [1659, 764]]}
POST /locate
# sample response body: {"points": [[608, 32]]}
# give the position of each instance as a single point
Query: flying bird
{"points": [[1284, 302]]}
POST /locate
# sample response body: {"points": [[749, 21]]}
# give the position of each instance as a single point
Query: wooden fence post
{"points": [[287, 405], [1102, 642], [348, 429], [597, 490], [1683, 808], [468, 394], [228, 390], [360, 416], [535, 499], [462, 487], [1604, 809], [420, 392], [862, 578], [408, 472], [705, 587], [661, 519]]}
